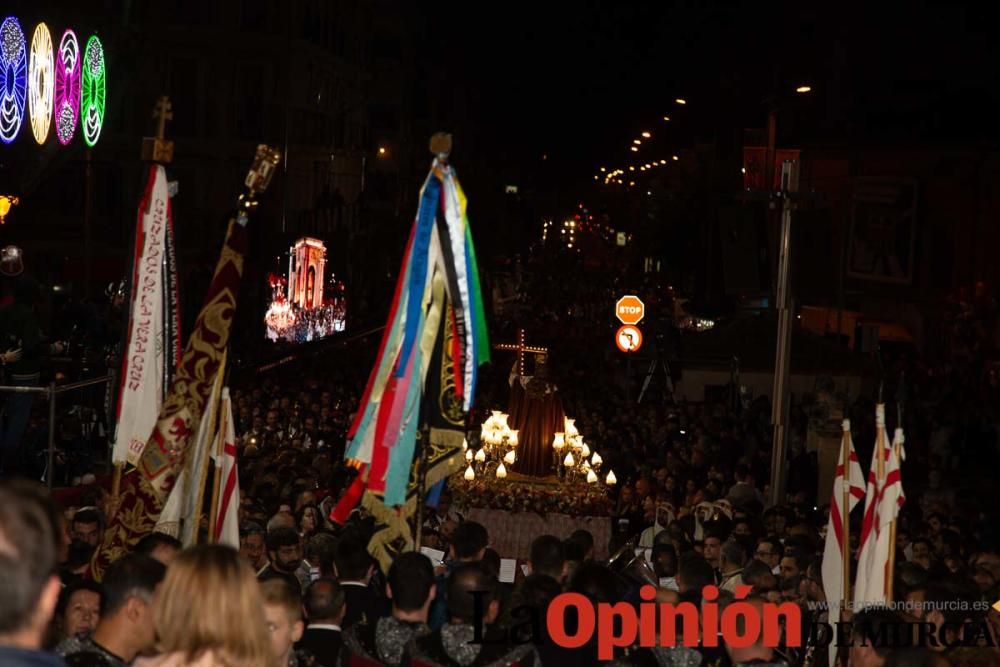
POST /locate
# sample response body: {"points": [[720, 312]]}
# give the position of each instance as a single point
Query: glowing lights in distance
{"points": [[41, 83], [13, 78], [67, 93], [92, 91]]}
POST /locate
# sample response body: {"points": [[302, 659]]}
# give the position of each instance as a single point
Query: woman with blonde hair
{"points": [[209, 613]]}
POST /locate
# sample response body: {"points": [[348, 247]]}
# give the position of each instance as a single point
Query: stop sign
{"points": [[629, 309]]}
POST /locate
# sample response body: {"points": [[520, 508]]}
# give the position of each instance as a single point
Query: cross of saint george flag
{"points": [[848, 491], [883, 501]]}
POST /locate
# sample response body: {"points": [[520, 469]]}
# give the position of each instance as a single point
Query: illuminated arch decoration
{"points": [[13, 78], [41, 83], [67, 91], [92, 91]]}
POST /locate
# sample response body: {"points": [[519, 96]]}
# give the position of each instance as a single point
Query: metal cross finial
{"points": [[162, 112], [521, 348]]}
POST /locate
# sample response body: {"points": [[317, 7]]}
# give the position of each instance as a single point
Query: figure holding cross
{"points": [[535, 409]]}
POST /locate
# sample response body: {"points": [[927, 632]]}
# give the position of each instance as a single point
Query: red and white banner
{"points": [[882, 504], [227, 523], [852, 483], [150, 337]]}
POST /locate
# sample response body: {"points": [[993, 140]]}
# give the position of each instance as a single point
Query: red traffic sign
{"points": [[630, 309], [628, 338]]}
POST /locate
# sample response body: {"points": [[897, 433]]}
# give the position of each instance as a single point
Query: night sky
{"points": [[578, 81]]}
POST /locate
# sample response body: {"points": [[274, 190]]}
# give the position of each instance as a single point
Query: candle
{"points": [[611, 480], [501, 472], [481, 455], [468, 455], [510, 458], [585, 452], [591, 477], [470, 474], [596, 460], [568, 461], [465, 444]]}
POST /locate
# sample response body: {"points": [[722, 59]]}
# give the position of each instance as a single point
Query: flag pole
{"points": [[845, 516], [890, 566], [217, 473], [425, 434]]}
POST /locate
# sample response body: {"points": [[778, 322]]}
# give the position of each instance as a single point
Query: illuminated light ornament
{"points": [[13, 78], [67, 93], [41, 83], [92, 90]]}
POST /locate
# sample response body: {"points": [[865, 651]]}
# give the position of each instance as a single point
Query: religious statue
{"points": [[535, 409]]}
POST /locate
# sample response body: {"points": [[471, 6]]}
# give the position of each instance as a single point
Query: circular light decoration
{"points": [[92, 88], [67, 95], [41, 83], [13, 77]]}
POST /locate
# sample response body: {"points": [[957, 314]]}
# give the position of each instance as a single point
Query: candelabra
{"points": [[578, 464], [497, 449]]}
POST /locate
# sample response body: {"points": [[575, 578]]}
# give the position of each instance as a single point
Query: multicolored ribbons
{"points": [[425, 374]]}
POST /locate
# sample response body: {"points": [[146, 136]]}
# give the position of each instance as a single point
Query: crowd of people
{"points": [[691, 510]]}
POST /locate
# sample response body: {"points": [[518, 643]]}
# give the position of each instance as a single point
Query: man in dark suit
{"points": [[411, 588], [325, 608], [355, 569]]}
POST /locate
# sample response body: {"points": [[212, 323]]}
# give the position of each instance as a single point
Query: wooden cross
{"points": [[521, 348]]}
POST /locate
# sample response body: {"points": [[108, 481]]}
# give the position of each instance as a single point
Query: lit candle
{"points": [[510, 458], [611, 480], [481, 455], [470, 474], [591, 477], [468, 455], [568, 461], [558, 441], [596, 459], [501, 472]]}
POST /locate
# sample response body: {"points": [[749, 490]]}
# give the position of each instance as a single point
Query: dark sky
{"points": [[579, 81]]}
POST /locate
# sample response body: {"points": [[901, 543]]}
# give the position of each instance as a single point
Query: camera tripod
{"points": [[658, 362]]}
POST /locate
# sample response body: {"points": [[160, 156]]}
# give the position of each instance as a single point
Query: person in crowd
{"points": [[87, 526], [731, 558], [468, 545], [452, 645], [319, 555], [769, 551], [548, 557], [355, 570], [793, 565], [29, 550], [713, 550], [160, 546], [126, 626], [205, 589], [325, 609], [284, 554], [757, 653], [285, 625], [693, 574], [411, 588], [253, 545], [867, 650], [78, 612]]}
